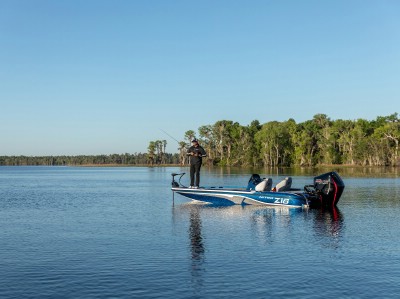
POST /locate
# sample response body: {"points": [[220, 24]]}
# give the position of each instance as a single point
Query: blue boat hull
{"points": [[326, 191], [233, 197]]}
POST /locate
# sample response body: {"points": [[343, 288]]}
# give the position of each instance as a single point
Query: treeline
{"points": [[114, 159], [157, 152], [319, 141]]}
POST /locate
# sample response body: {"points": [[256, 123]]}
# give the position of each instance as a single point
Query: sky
{"points": [[101, 77]]}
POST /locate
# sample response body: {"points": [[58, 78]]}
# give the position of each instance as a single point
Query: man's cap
{"points": [[194, 140]]}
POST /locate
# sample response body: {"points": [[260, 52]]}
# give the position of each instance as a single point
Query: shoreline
{"points": [[341, 166]]}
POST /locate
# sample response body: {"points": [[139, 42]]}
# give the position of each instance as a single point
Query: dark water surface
{"points": [[114, 233]]}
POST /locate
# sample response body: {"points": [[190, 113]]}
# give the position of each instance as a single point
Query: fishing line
{"points": [[170, 136]]}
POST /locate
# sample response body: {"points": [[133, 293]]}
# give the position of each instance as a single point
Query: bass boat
{"points": [[324, 192]]}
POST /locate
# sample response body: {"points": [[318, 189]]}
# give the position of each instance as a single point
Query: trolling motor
{"points": [[174, 183], [328, 187]]}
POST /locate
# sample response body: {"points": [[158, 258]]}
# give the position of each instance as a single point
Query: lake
{"points": [[76, 232]]}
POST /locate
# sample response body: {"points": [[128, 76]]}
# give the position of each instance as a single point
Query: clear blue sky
{"points": [[102, 77]]}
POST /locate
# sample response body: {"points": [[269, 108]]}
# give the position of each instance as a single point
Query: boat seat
{"points": [[284, 185], [255, 179], [264, 185]]}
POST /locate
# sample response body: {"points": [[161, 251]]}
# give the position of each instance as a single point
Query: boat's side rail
{"points": [[233, 190]]}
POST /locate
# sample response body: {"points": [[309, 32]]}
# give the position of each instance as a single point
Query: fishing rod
{"points": [[179, 142], [171, 136]]}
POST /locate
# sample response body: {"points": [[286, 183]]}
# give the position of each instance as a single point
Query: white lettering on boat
{"points": [[284, 201]]}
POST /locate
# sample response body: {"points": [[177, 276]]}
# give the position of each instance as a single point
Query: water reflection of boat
{"points": [[266, 222], [325, 191], [329, 224], [261, 227]]}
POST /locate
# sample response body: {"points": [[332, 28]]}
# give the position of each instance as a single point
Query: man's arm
{"points": [[203, 152]]}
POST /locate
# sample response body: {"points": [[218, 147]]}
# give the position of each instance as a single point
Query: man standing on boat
{"points": [[196, 153]]}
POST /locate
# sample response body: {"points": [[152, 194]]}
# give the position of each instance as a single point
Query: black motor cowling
{"points": [[329, 186]]}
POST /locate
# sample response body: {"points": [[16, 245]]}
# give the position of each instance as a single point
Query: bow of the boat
{"points": [[215, 196]]}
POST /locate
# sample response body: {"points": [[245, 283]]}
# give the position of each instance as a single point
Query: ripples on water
{"points": [[115, 233]]}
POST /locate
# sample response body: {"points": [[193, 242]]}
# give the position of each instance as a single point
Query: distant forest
{"points": [[319, 141], [85, 160]]}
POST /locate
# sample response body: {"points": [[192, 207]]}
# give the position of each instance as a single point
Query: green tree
{"points": [[151, 152], [305, 141], [389, 134], [274, 142], [207, 140]]}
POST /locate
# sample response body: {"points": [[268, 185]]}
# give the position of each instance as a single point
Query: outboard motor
{"points": [[255, 179], [329, 186]]}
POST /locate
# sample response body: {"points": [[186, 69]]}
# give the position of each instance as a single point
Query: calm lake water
{"points": [[70, 232]]}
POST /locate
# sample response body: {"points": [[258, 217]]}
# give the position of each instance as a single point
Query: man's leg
{"points": [[198, 166], [192, 170]]}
